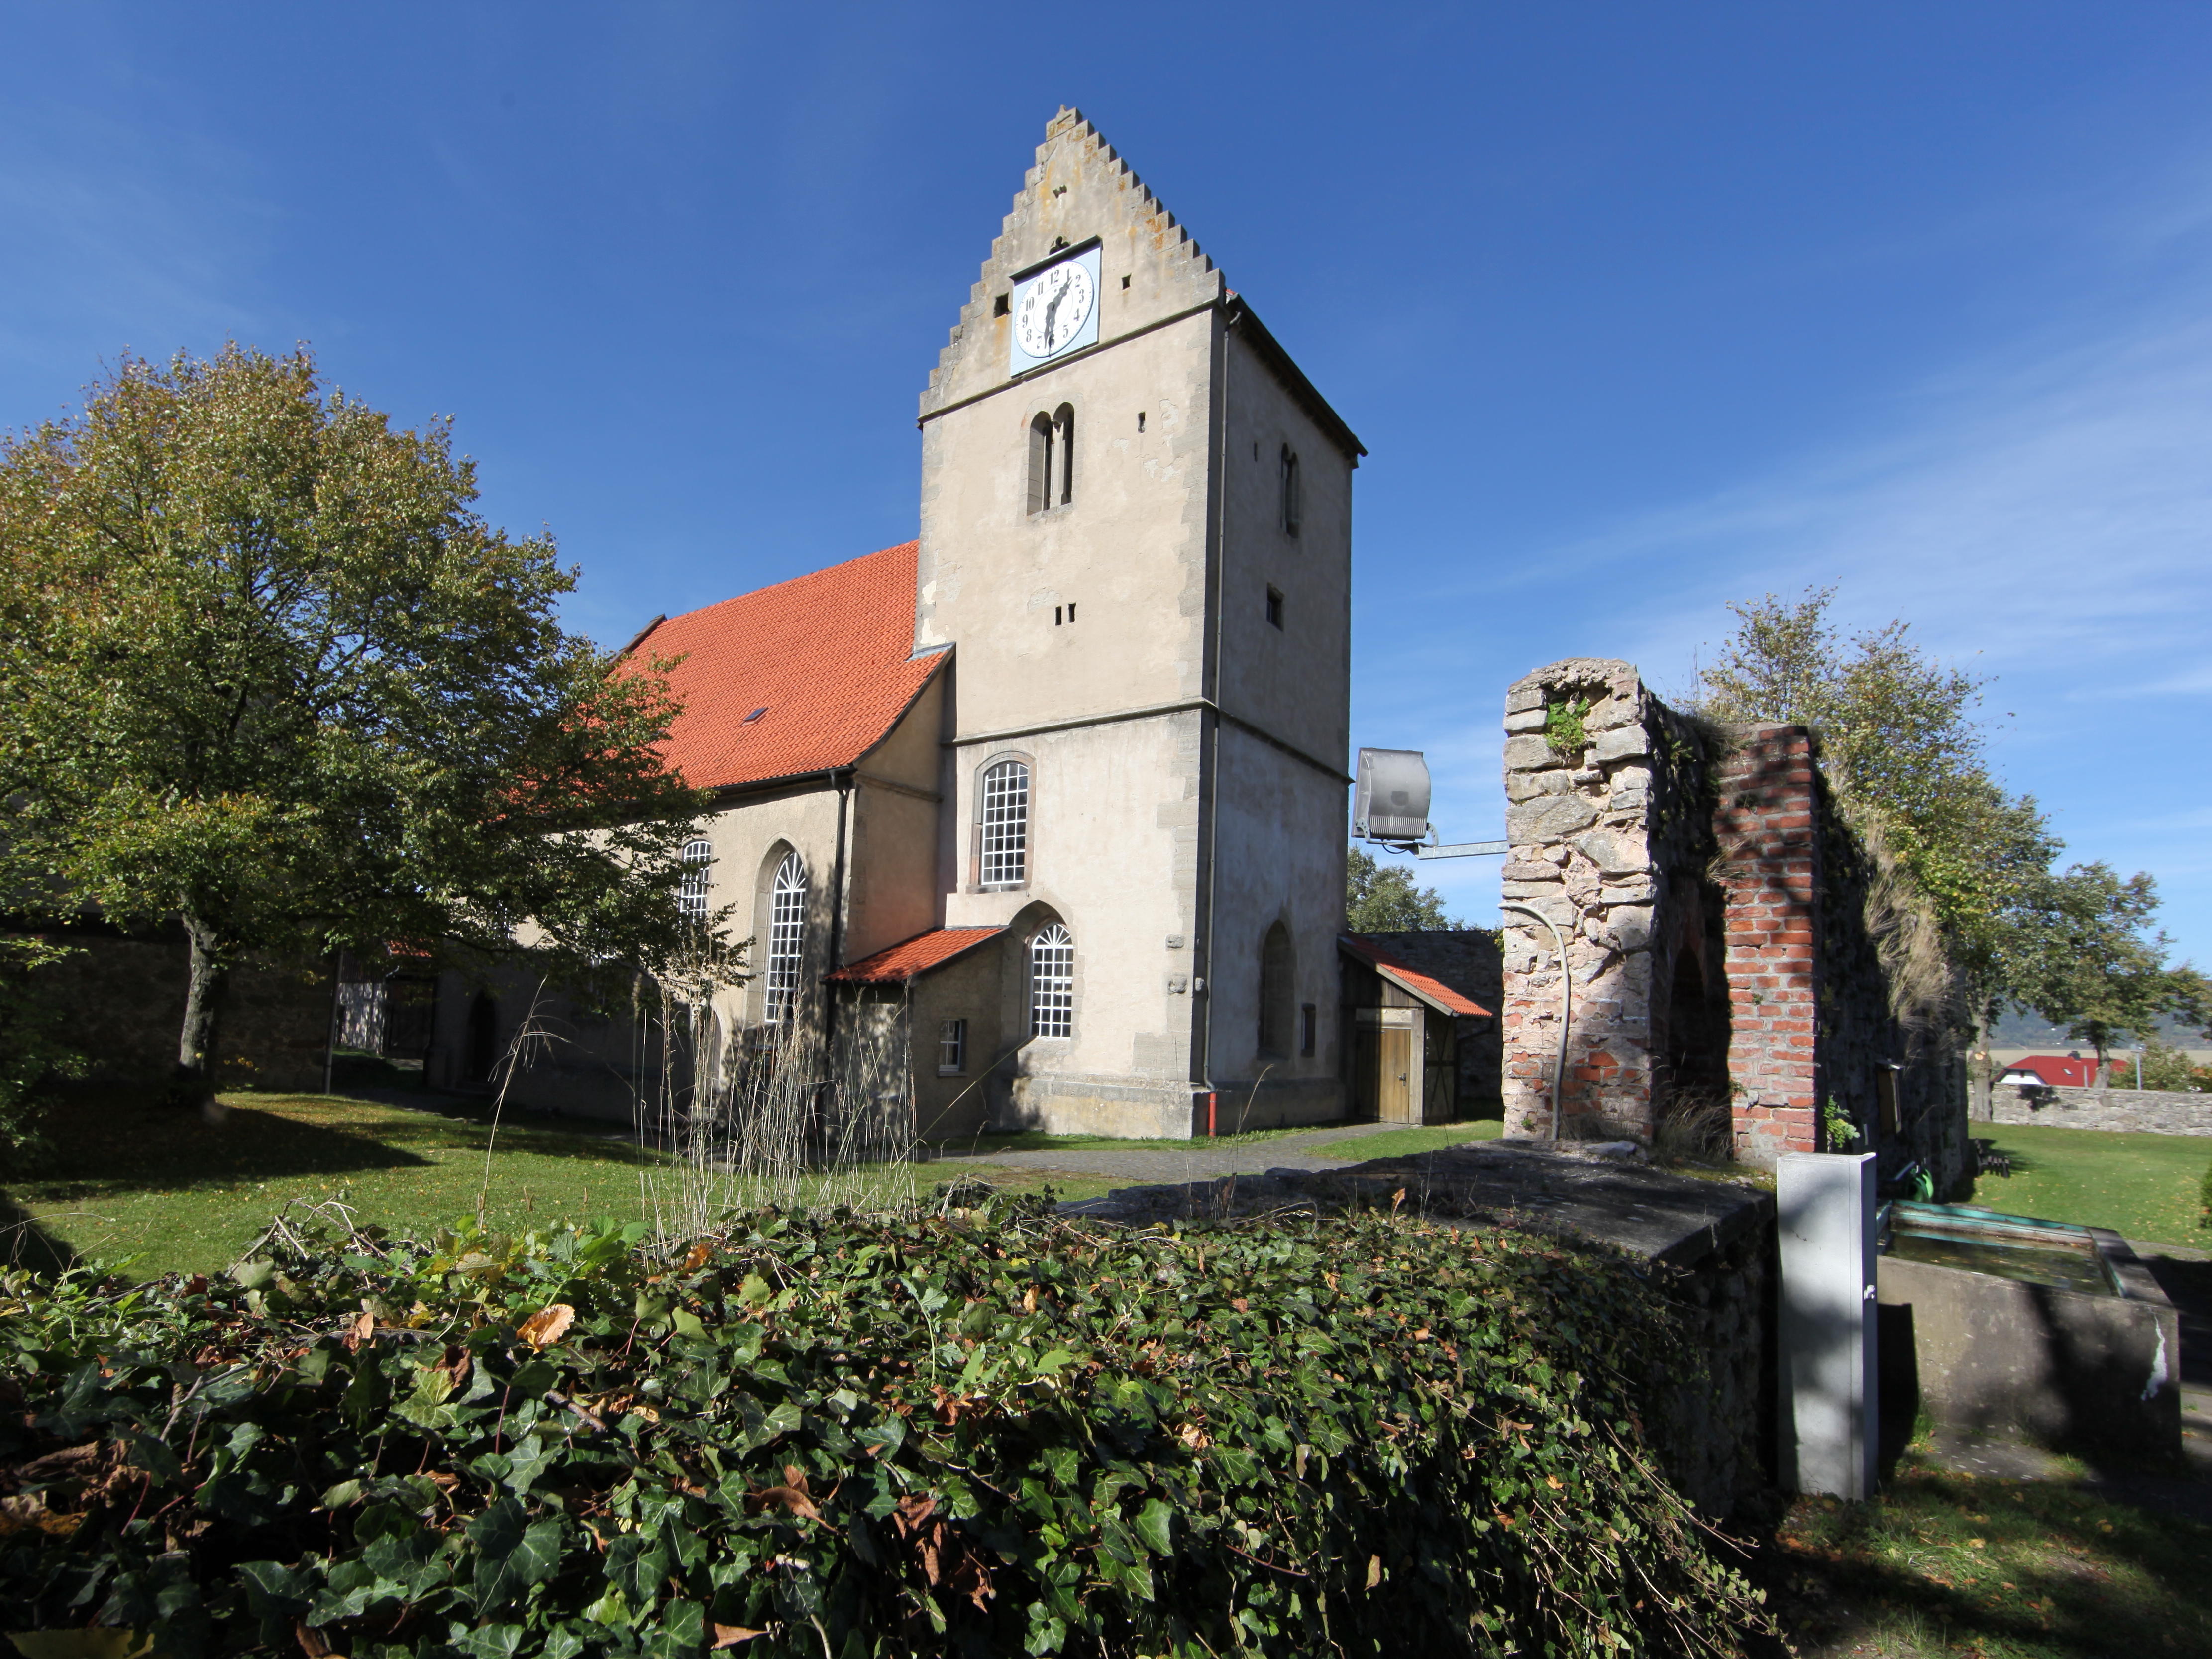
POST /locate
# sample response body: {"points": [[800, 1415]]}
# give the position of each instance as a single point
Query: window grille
{"points": [[786, 938], [698, 877], [1005, 827], [951, 1047], [1052, 983]]}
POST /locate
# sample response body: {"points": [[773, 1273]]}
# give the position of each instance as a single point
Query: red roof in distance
{"points": [[2057, 1071], [827, 659], [1427, 986], [911, 958]]}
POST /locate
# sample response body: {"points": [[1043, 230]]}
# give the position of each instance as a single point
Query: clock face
{"points": [[1054, 309]]}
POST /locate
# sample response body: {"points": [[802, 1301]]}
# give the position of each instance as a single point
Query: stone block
{"points": [[1620, 743], [1630, 890], [1530, 755], [1525, 720], [1629, 926], [1613, 853], [1522, 697], [1526, 869], [1553, 818]]}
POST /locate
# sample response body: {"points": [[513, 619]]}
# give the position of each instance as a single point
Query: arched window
{"points": [[1004, 832], [1275, 978], [1051, 982], [786, 938], [1052, 459], [1040, 446], [1293, 496], [698, 875]]}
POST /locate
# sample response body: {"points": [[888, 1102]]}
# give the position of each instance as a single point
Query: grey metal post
{"points": [[1829, 1417]]}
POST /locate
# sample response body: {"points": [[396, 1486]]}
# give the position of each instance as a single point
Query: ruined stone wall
{"points": [[2154, 1111], [1740, 953]]}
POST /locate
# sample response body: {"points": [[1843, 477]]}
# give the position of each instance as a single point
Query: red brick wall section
{"points": [[1765, 820]]}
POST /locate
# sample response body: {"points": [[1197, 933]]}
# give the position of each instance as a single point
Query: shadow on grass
{"points": [[106, 1141], [1949, 1563], [25, 1242]]}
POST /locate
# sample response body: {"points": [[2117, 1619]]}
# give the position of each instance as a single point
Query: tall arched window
{"points": [[1040, 460], [1275, 978], [786, 938], [1004, 832], [1294, 507], [698, 876], [1051, 982]]}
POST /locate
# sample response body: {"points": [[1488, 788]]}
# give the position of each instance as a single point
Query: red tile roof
{"points": [[911, 958], [2058, 1072], [1408, 978], [828, 658]]}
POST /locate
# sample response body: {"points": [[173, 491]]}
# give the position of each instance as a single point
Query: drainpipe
{"points": [[1566, 1008]]}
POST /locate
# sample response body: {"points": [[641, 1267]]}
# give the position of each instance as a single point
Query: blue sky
{"points": [[1639, 309]]}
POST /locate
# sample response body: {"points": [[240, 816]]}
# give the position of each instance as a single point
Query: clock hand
{"points": [[1051, 308]]}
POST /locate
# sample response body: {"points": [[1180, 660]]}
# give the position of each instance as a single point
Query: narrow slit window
{"points": [[1294, 510], [1275, 606], [1005, 826], [1051, 982], [1040, 464], [698, 878], [951, 1047], [1275, 991], [786, 938], [1063, 425], [1309, 1020]]}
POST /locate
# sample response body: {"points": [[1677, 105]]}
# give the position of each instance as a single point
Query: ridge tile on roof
{"points": [[829, 657]]}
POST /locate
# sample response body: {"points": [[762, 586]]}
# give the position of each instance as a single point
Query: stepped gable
{"points": [[827, 658], [1079, 189]]}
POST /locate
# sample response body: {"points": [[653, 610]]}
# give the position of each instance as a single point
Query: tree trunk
{"points": [[1980, 1069], [193, 1085]]}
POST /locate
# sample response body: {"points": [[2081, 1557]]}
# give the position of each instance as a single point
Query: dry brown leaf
{"points": [[694, 1259], [729, 1636], [1373, 1570], [547, 1326], [362, 1328], [311, 1640], [793, 1500]]}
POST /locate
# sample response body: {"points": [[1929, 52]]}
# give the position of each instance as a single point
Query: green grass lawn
{"points": [[133, 1180], [1409, 1143], [1947, 1565], [2142, 1186], [1030, 1141]]}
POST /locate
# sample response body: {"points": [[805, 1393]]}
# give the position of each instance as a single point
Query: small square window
{"points": [[1002, 305], [951, 1047], [1275, 606], [1308, 1020]]}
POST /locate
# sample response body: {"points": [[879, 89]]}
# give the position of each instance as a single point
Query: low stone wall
{"points": [[2154, 1111]]}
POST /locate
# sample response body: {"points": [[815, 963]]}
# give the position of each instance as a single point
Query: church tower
{"points": [[1135, 541]]}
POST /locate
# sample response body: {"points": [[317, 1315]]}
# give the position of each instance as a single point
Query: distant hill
{"points": [[2017, 1030]]}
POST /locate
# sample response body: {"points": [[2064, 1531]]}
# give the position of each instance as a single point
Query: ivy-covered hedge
{"points": [[978, 1431]]}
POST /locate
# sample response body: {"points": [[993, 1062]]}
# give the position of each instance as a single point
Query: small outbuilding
{"points": [[1408, 1027]]}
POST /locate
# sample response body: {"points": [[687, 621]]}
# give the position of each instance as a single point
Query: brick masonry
{"points": [[1734, 951], [2154, 1111]]}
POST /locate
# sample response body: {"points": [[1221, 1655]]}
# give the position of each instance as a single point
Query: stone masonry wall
{"points": [[1735, 954], [2156, 1111]]}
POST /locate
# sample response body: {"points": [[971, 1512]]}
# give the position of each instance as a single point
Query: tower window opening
{"points": [[1063, 420], [1051, 982], [1275, 978], [1275, 606], [1308, 1018], [1005, 825], [1003, 304], [1141, 420], [787, 939], [1040, 464], [1293, 496]]}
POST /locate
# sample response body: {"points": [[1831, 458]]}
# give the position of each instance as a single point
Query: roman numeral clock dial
{"points": [[1055, 310]]}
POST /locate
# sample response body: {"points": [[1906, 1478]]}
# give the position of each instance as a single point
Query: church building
{"points": [[1048, 803]]}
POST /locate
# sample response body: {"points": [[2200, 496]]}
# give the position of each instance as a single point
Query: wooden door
{"points": [[1394, 1093]]}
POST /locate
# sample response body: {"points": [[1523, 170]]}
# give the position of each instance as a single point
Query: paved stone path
{"points": [[1146, 1165]]}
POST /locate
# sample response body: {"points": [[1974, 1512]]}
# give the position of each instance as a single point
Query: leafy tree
{"points": [[1899, 736], [2162, 1066], [1382, 899], [30, 1050], [2096, 966], [263, 668]]}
